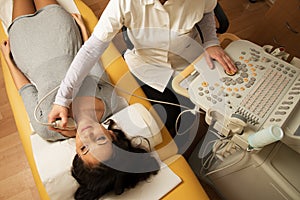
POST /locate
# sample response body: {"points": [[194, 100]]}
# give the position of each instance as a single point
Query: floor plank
{"points": [[243, 16], [16, 180]]}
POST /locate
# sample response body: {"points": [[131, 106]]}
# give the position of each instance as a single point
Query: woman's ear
{"points": [[141, 143], [112, 134]]}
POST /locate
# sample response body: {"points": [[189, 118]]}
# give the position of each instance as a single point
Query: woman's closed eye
{"points": [[101, 140]]}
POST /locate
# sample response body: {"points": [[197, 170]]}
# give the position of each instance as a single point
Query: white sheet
{"points": [[154, 189]]}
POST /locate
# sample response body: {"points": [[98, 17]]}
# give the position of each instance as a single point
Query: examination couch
{"points": [[189, 187]]}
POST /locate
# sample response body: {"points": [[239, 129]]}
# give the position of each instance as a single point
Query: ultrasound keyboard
{"points": [[265, 90]]}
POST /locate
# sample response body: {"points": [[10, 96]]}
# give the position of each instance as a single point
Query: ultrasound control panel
{"points": [[265, 90]]}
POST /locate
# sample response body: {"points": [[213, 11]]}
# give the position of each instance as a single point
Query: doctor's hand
{"points": [[66, 133], [58, 112], [218, 54]]}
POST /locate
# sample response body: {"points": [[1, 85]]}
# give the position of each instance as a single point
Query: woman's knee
{"points": [[22, 7], [42, 3]]}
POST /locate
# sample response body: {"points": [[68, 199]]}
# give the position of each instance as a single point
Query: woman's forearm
{"points": [[18, 77], [85, 34], [79, 20]]}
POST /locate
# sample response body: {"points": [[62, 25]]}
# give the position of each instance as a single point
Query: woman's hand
{"points": [[218, 54], [5, 49], [58, 112], [79, 20]]}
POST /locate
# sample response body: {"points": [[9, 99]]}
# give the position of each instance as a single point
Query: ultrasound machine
{"points": [[255, 117]]}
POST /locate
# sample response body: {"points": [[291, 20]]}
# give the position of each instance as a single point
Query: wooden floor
{"points": [[16, 181]]}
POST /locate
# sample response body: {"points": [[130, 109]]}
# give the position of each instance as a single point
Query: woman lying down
{"points": [[43, 40]]}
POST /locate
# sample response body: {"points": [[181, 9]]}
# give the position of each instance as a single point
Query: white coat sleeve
{"points": [[82, 64]]}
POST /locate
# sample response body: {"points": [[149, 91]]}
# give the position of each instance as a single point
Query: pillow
{"points": [[136, 120]]}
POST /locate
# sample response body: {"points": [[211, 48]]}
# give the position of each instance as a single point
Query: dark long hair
{"points": [[98, 180]]}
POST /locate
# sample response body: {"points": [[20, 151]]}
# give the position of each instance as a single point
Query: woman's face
{"points": [[93, 142]]}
